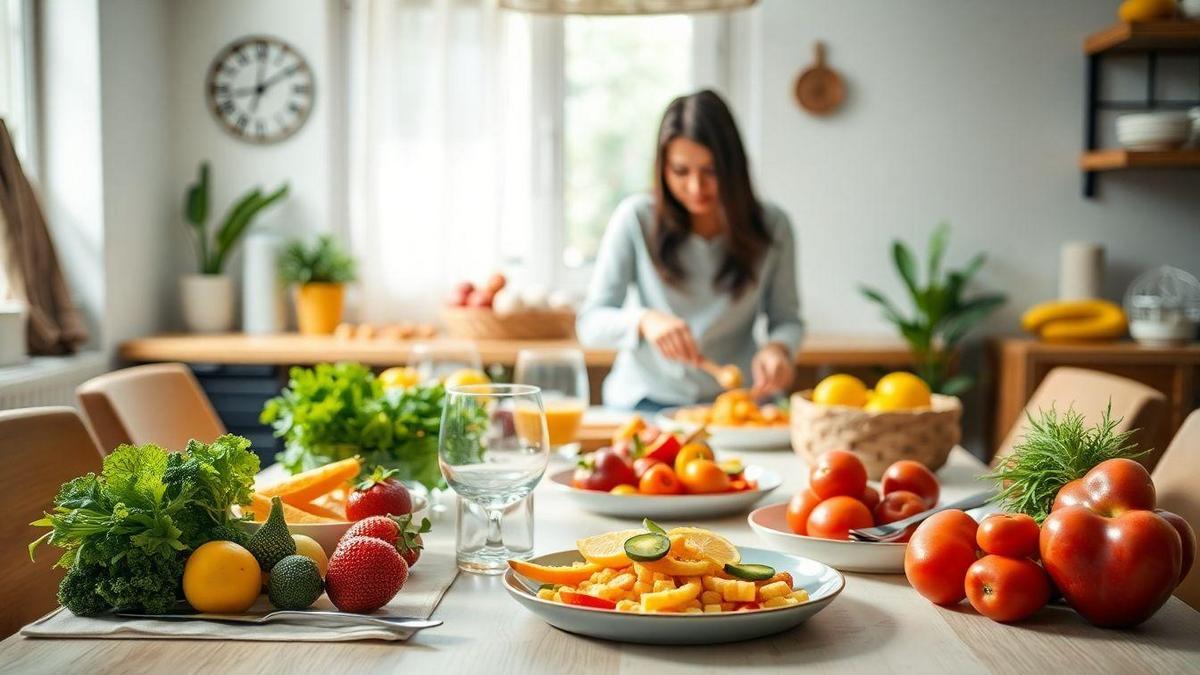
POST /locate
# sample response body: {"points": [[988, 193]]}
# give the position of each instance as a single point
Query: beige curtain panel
{"points": [[55, 325]]}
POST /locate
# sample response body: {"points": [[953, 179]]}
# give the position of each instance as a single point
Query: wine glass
{"points": [[437, 360], [487, 462], [561, 374]]}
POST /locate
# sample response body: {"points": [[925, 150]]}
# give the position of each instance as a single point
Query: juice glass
{"points": [[561, 374]]}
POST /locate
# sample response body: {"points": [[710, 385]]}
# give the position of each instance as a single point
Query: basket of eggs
{"points": [[899, 419], [497, 311]]}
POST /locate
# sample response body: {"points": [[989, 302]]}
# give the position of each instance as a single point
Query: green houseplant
{"points": [[941, 315], [208, 294], [320, 273]]}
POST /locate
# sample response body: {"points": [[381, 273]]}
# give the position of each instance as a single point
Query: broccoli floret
{"points": [[77, 591]]}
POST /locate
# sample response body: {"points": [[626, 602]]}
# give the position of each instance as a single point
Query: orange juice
{"points": [[563, 418]]}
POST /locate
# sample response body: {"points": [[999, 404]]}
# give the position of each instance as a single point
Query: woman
{"points": [[704, 258]]}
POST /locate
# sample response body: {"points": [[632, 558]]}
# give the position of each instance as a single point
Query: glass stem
{"points": [[495, 539]]}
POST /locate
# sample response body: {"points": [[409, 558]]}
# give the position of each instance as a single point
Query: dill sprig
{"points": [[1054, 451]]}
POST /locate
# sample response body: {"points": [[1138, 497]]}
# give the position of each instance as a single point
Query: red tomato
{"points": [[1006, 589], [914, 477], [939, 555], [834, 518], [603, 470], [1009, 534], [898, 505], [838, 473], [802, 504], [642, 465], [660, 479], [870, 498], [703, 476]]}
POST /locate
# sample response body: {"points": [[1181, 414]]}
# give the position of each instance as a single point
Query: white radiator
{"points": [[48, 380]]}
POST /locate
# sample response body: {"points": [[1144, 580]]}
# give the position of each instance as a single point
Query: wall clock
{"points": [[260, 89]]}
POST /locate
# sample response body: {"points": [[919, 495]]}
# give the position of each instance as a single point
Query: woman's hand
{"points": [[670, 335], [772, 370]]}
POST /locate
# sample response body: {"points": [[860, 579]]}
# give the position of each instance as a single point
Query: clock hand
{"points": [[258, 86], [274, 79]]}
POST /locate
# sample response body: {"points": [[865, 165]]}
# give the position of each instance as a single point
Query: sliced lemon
{"points": [[709, 545], [608, 549]]}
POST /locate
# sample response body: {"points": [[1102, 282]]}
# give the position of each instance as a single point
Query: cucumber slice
{"points": [[647, 547], [652, 526], [746, 571]]}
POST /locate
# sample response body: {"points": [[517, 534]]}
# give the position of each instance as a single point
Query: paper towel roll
{"points": [[263, 308], [1080, 270]]}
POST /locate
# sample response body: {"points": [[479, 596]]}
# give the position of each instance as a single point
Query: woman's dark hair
{"points": [[705, 119]]}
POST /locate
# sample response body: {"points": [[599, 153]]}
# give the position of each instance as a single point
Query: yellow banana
{"points": [[1066, 320]]}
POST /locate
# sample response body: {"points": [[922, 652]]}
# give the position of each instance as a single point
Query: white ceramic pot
{"points": [[207, 303]]}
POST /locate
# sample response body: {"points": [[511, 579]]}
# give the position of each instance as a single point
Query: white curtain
{"points": [[440, 156]]}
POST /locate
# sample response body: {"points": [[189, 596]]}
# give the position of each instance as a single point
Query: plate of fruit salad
{"points": [[736, 421], [669, 477], [817, 520], [685, 585]]}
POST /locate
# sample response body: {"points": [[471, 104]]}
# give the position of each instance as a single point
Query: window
{"points": [[16, 95]]}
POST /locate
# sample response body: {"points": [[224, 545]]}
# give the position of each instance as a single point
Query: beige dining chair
{"points": [[1176, 478], [1089, 392], [40, 449], [161, 403]]}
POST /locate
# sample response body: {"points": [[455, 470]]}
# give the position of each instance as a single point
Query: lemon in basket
{"points": [[901, 391], [840, 390]]}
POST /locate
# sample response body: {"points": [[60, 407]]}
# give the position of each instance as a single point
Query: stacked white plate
{"points": [[1153, 131]]}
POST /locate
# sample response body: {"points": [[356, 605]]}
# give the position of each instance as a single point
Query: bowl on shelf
{"points": [[1154, 130], [481, 323], [926, 435]]}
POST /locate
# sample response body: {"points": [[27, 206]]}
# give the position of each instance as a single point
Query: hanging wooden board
{"points": [[819, 89]]}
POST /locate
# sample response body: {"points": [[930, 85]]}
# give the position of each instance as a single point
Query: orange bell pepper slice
{"points": [[549, 574]]}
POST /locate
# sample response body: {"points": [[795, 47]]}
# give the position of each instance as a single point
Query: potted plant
{"points": [[208, 295], [320, 273], [942, 317]]}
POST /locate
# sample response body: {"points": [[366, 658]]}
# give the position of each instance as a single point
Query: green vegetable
{"points": [[336, 411], [750, 571], [1053, 452], [126, 532], [323, 262], [651, 525], [239, 219], [295, 583], [647, 547], [272, 542]]}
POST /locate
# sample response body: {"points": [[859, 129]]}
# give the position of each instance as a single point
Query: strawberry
{"points": [[364, 574], [378, 495], [399, 531]]}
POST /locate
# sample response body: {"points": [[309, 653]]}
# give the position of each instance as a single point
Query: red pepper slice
{"points": [[585, 600]]}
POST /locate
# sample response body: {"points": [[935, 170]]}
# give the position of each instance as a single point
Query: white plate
{"points": [[328, 534], [733, 438], [822, 582], [770, 522], [672, 507]]}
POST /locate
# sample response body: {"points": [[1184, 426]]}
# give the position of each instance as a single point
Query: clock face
{"points": [[260, 89]]}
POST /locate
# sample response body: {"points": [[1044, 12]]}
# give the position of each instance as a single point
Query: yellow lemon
{"points": [[399, 378], [221, 577], [840, 390], [707, 544], [901, 391], [467, 376], [307, 546], [608, 549]]}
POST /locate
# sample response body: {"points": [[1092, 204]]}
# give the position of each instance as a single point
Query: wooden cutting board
{"points": [[819, 89]]}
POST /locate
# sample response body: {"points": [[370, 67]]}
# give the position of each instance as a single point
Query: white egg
{"points": [[534, 296], [560, 300], [506, 301]]}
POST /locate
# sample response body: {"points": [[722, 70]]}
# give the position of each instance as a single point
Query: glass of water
{"points": [[487, 462]]}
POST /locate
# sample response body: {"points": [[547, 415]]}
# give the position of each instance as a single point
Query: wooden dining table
{"points": [[877, 625]]}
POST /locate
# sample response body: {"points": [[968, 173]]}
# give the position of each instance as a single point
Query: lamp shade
{"points": [[620, 7]]}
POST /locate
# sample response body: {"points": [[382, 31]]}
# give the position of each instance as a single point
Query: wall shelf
{"points": [[1139, 37], [1111, 160]]}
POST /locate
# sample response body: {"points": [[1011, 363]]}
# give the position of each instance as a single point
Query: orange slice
{"points": [[308, 485], [547, 574], [260, 506], [608, 549]]}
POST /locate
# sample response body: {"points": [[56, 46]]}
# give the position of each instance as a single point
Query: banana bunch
{"points": [[1075, 320]]}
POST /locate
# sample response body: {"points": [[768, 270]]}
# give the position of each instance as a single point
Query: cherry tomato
{"points": [[838, 473], [660, 480], [1006, 589], [939, 555], [802, 504], [703, 476], [898, 505], [914, 477], [1009, 534], [643, 464], [834, 518], [689, 452], [870, 498]]}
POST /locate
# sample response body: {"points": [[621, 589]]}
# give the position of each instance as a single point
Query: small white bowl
{"points": [[770, 523], [732, 438], [328, 534], [669, 507]]}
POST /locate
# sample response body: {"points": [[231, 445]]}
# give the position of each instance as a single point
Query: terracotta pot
{"points": [[207, 303], [319, 307]]}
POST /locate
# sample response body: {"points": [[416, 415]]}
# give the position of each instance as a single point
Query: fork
{"points": [[392, 622], [893, 531]]}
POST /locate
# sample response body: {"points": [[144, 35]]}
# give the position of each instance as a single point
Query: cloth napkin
{"points": [[426, 585]]}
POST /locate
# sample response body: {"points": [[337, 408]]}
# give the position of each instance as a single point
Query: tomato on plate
{"points": [[838, 473], [642, 464], [703, 476], [898, 505], [870, 498], [912, 476], [660, 480], [1009, 534], [939, 554], [1006, 589], [802, 504], [691, 452], [834, 518]]}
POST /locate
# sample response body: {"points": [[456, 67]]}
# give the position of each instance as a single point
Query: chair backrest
{"points": [[1175, 479], [161, 403], [40, 449], [1089, 392]]}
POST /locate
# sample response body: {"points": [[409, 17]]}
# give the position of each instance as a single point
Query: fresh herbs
{"points": [[336, 411], [323, 262], [126, 532], [1053, 452]]}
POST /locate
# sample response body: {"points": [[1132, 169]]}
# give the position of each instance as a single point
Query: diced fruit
{"points": [[774, 590], [549, 574], [750, 571], [665, 448], [607, 550], [308, 485], [295, 583], [308, 546], [364, 574], [585, 600], [690, 452], [710, 545], [378, 495], [624, 490], [221, 577], [272, 542], [647, 547], [260, 506], [660, 600]]}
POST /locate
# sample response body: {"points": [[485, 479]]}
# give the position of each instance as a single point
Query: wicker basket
{"points": [[475, 323], [878, 438]]}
